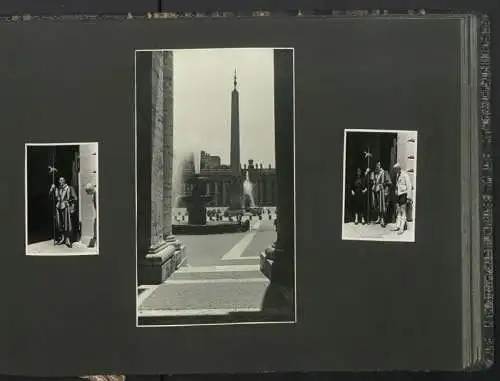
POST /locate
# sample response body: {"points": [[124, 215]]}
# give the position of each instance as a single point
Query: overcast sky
{"points": [[203, 81]]}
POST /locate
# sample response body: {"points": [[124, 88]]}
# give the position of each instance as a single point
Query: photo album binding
{"points": [[256, 187]]}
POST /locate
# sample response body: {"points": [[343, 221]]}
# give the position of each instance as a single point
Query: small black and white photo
{"points": [[61, 186], [215, 191], [379, 197]]}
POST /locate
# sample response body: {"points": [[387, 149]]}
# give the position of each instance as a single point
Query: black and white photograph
{"points": [[380, 171], [215, 186], [61, 186]]}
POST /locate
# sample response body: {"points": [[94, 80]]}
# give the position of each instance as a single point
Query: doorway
{"points": [[383, 148], [65, 158]]}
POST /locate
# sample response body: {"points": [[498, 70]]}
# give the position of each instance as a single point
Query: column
{"points": [[257, 192], [221, 188], [159, 253], [277, 262], [262, 192], [223, 193], [226, 194], [171, 243], [216, 192], [267, 192], [87, 175]]}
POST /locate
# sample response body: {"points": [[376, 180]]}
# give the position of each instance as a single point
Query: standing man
{"points": [[403, 194], [381, 183], [91, 190], [358, 191], [65, 198]]}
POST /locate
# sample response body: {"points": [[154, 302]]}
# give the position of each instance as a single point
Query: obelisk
{"points": [[236, 183]]}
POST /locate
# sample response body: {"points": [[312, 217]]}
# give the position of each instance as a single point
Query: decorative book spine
{"points": [[486, 191]]}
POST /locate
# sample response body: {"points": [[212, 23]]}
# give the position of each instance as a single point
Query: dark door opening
{"points": [[39, 179], [383, 148]]}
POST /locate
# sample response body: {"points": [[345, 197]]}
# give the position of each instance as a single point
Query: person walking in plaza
{"points": [[381, 184], [403, 195], [358, 192], [65, 197]]}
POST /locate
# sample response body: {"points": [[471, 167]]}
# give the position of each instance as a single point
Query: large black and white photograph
{"points": [[380, 169], [215, 186], [61, 187]]}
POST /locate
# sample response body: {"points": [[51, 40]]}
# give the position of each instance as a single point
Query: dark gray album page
{"points": [[373, 302]]}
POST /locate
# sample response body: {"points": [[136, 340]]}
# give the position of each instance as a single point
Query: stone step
{"points": [[219, 317], [219, 268], [215, 275]]}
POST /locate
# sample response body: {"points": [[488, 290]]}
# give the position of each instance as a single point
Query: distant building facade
{"points": [[218, 179], [208, 161]]}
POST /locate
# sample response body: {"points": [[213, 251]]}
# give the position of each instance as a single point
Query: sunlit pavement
{"points": [[48, 248], [376, 232], [222, 281]]}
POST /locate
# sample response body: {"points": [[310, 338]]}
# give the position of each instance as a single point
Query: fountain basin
{"points": [[252, 211], [210, 227]]}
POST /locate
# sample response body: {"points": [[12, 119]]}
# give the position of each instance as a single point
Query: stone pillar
{"points": [[262, 192], [272, 186], [266, 192], [277, 262], [223, 193], [270, 191], [159, 253], [216, 193], [88, 175], [226, 194], [256, 192], [171, 243]]}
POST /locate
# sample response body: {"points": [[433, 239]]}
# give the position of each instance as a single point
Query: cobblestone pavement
{"points": [[221, 282]]}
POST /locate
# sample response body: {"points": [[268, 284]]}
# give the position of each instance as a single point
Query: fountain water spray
{"points": [[181, 161], [248, 190]]}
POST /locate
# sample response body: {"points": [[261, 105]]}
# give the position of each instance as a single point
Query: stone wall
{"points": [[88, 175], [407, 158], [407, 153]]}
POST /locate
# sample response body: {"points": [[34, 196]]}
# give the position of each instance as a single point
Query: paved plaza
{"points": [[48, 248], [376, 232], [220, 282]]}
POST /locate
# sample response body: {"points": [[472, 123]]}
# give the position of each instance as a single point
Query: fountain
{"points": [[196, 202], [248, 190], [251, 208]]}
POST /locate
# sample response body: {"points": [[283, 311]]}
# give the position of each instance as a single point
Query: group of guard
{"points": [[380, 197]]}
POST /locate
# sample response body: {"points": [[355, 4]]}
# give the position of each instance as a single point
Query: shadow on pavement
{"points": [[277, 306]]}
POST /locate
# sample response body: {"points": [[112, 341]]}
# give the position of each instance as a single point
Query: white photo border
{"points": [[49, 254], [354, 130], [148, 289]]}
